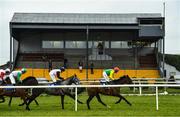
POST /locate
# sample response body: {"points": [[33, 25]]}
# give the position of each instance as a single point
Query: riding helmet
{"points": [[7, 70], [23, 70], [116, 69], [62, 69]]}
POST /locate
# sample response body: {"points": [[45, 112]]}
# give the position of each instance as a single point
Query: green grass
{"points": [[141, 106]]}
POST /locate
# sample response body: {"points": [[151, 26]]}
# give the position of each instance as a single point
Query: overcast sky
{"points": [[172, 15]]}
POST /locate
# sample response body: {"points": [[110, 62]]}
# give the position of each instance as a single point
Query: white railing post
{"points": [[134, 88], [140, 88], [157, 105], [75, 98]]}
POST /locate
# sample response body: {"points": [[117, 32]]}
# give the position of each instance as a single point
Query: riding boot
{"points": [[55, 83]]}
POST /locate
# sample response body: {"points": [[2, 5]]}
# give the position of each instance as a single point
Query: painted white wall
{"points": [[170, 69]]}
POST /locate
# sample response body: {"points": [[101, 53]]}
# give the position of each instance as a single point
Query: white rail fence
{"points": [[86, 86]]}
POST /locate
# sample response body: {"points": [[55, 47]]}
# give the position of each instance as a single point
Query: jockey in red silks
{"points": [[4, 73], [56, 73]]}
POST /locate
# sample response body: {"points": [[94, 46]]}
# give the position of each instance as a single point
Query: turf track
{"points": [[141, 106]]}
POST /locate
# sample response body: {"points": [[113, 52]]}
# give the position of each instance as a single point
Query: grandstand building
{"points": [[131, 41]]}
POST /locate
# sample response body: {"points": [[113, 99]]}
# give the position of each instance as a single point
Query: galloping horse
{"points": [[28, 81], [111, 91], [57, 91], [18, 93]]}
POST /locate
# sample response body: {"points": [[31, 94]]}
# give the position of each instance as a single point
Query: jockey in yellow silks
{"points": [[108, 74]]}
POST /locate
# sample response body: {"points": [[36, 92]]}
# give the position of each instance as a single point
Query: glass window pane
{"points": [[75, 44], [90, 44], [52, 44], [106, 44], [115, 44]]}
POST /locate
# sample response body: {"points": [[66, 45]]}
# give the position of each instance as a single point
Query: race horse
{"points": [[28, 81], [57, 91], [111, 91], [19, 92]]}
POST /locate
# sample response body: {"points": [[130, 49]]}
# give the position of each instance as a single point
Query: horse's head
{"points": [[123, 80], [74, 80], [126, 79]]}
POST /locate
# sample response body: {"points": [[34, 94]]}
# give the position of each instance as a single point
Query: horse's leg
{"points": [[28, 99], [10, 100], [2, 98], [121, 97], [119, 100], [35, 94], [36, 102], [99, 100], [73, 97], [62, 101], [25, 101], [88, 100]]}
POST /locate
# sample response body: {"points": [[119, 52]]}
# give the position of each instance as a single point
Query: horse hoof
{"points": [[108, 106], [28, 109]]}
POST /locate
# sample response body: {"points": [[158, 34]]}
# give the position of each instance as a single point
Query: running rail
{"points": [[86, 86]]}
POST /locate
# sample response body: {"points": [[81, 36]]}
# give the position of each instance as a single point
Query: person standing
{"points": [[92, 68], [50, 64], [80, 65], [100, 48], [65, 63]]}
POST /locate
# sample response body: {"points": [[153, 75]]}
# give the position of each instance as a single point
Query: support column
{"points": [[163, 46], [87, 51], [11, 47]]}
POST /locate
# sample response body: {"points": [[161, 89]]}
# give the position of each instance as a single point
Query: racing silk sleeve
{"points": [[2, 75], [107, 72], [19, 76], [111, 76]]}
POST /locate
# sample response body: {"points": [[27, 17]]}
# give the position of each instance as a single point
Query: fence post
{"points": [[75, 98], [140, 88], [134, 88], [157, 105]]}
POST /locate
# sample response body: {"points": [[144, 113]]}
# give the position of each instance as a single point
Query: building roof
{"points": [[81, 18]]}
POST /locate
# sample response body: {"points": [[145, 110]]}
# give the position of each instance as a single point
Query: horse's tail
{"points": [[30, 80]]}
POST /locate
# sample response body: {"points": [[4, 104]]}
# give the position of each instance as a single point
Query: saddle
{"points": [[9, 90]]}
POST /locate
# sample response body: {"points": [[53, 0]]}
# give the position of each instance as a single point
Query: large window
{"points": [[52, 44], [95, 44], [119, 44], [75, 44]]}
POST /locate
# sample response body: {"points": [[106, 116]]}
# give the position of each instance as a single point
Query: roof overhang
{"points": [[73, 26]]}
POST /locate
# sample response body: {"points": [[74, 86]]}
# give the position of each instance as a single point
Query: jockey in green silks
{"points": [[108, 74], [16, 75]]}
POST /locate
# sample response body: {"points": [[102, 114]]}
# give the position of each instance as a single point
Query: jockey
{"points": [[108, 74], [4, 73], [56, 73], [16, 75]]}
